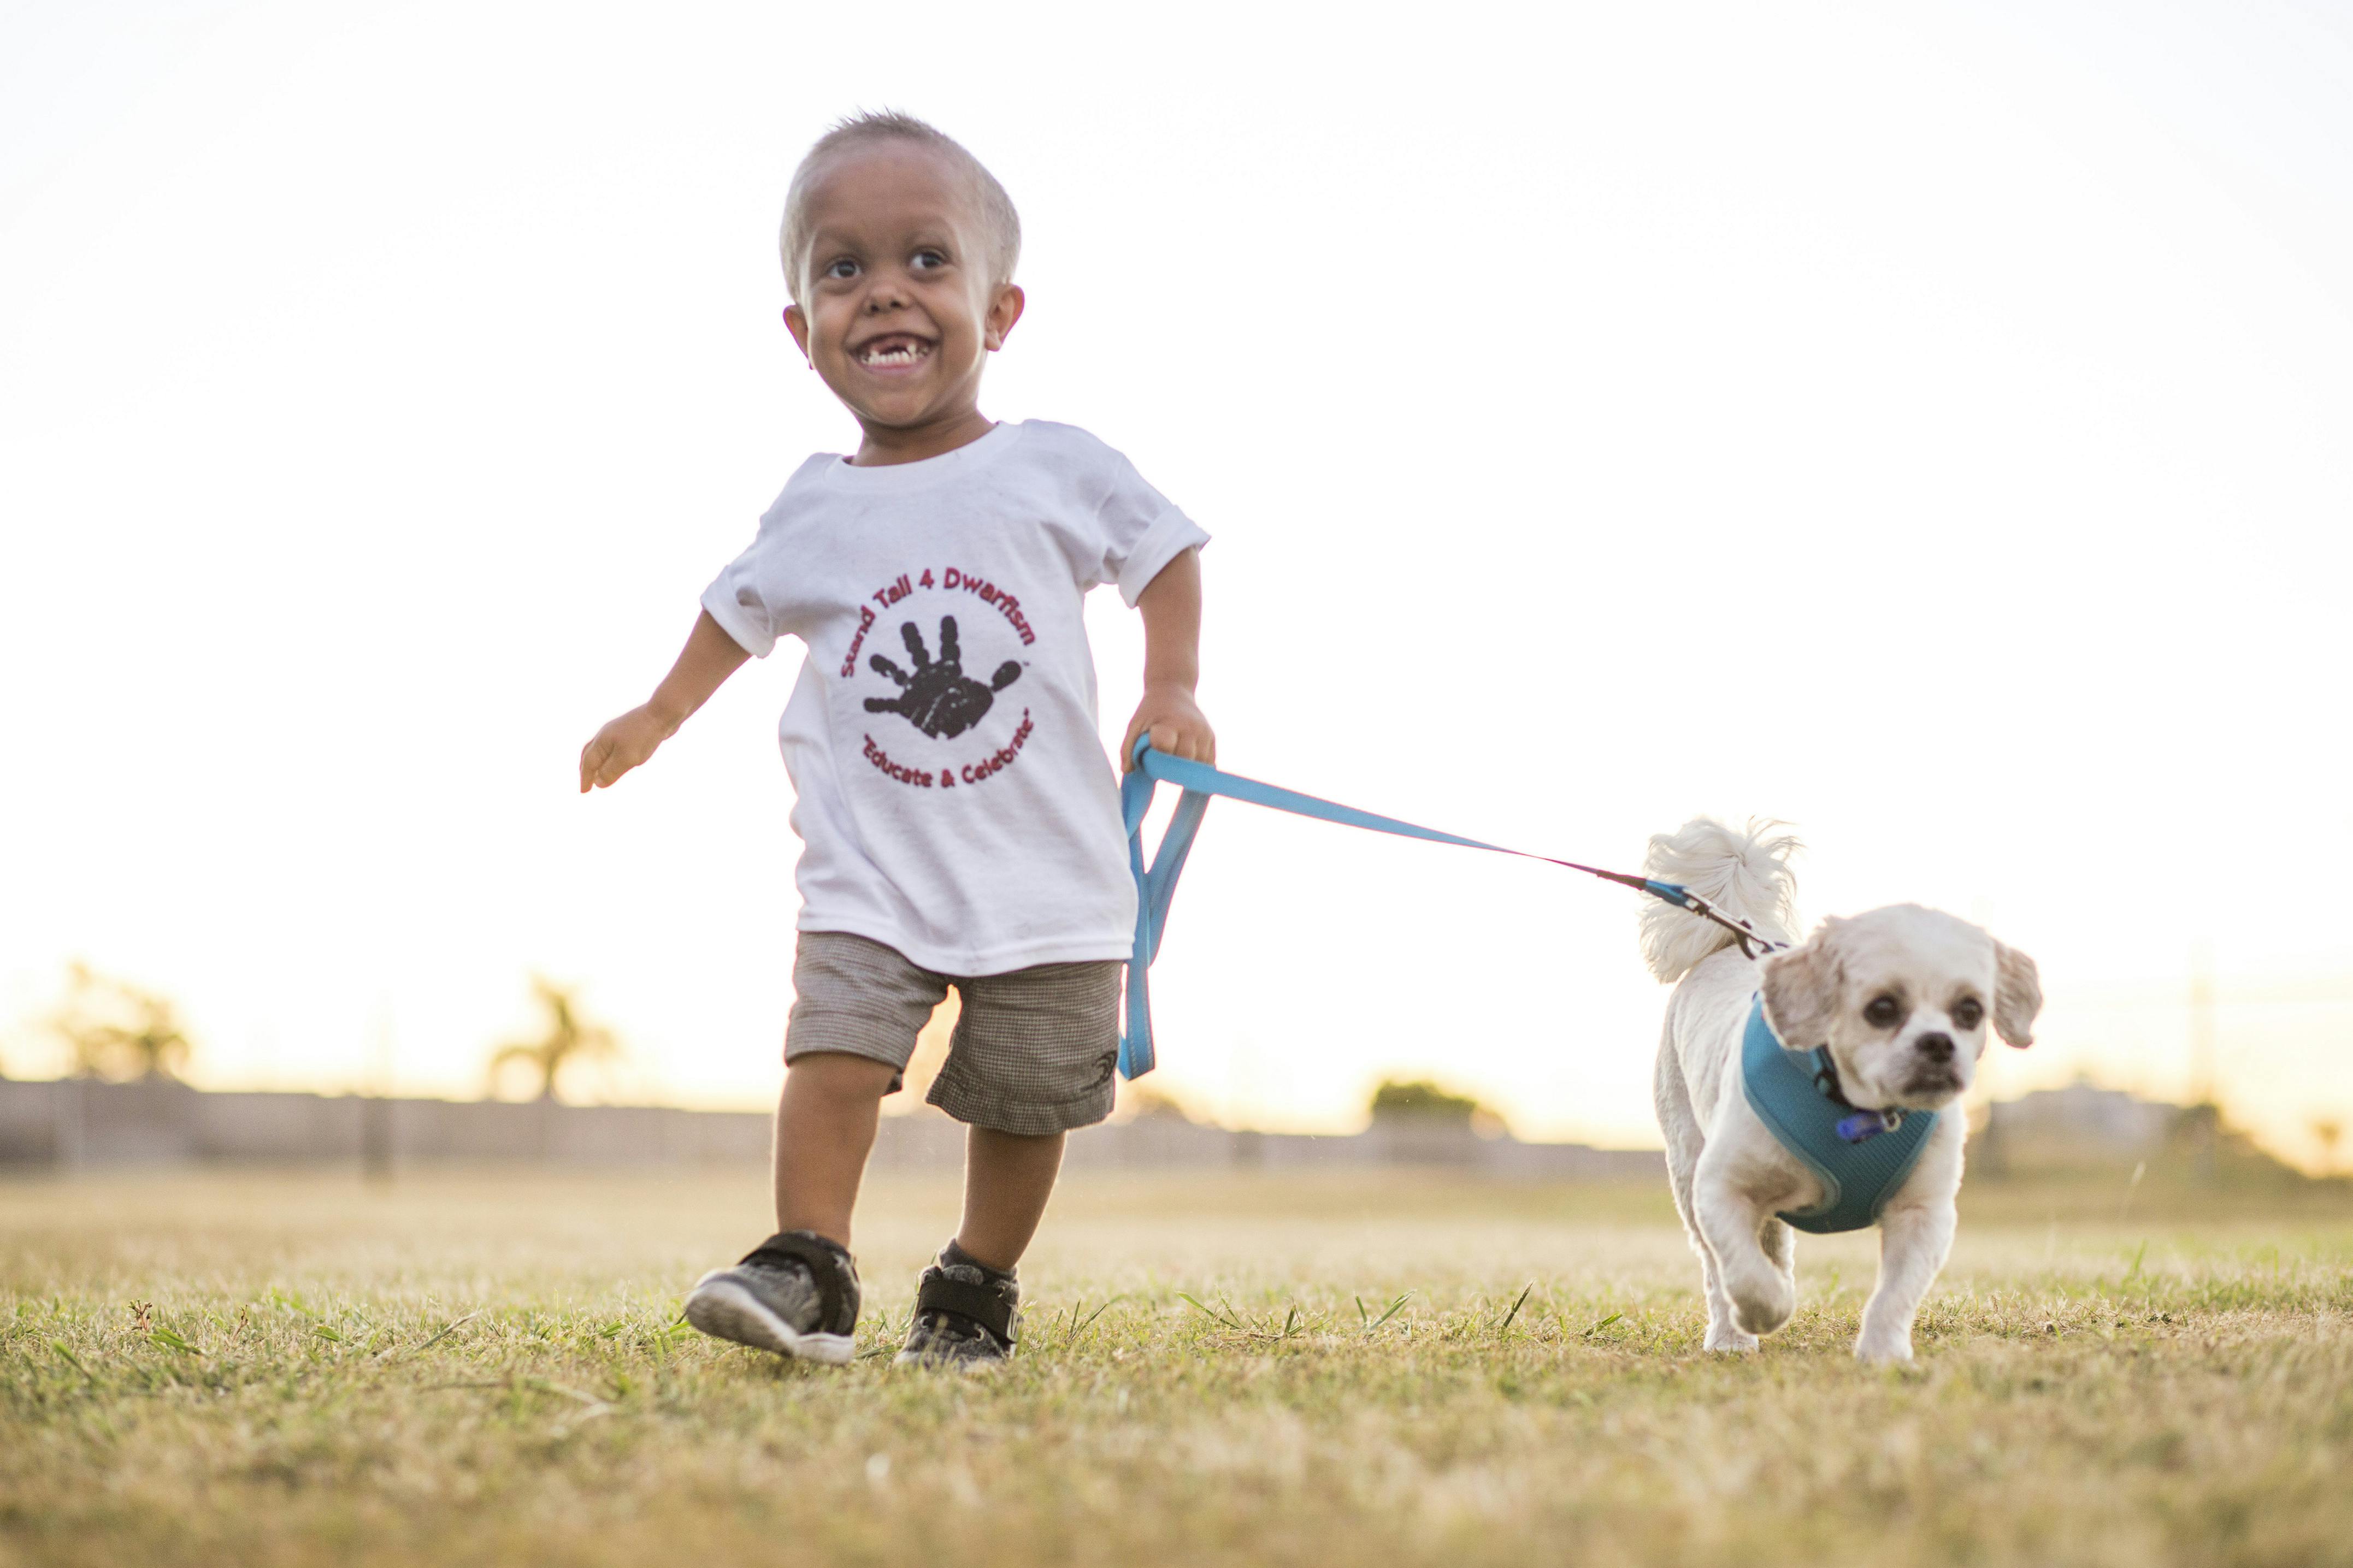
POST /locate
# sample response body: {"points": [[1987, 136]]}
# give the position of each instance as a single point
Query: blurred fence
{"points": [[74, 1123]]}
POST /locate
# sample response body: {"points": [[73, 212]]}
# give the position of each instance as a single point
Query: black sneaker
{"points": [[967, 1315], [796, 1294]]}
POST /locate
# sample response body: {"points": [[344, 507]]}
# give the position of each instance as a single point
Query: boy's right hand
{"points": [[708, 658], [620, 746]]}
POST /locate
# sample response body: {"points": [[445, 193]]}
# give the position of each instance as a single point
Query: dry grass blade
{"points": [[547, 1385], [1222, 1314], [1078, 1325], [451, 1327]]}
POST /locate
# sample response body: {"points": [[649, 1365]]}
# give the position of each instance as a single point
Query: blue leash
{"points": [[1156, 885]]}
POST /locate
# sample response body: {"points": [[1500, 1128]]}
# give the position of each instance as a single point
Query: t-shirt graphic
{"points": [[938, 699], [951, 788]]}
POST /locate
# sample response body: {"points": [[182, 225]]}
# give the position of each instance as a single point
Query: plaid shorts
{"points": [[1032, 1053]]}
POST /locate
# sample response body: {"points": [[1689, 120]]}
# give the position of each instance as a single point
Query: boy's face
{"points": [[897, 314]]}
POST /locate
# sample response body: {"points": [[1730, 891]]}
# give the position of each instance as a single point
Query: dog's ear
{"points": [[1801, 989], [2017, 996]]}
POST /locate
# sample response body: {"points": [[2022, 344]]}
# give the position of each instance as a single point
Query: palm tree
{"points": [[569, 1038], [117, 1031]]}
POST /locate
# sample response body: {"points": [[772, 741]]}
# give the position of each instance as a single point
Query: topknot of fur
{"points": [[1745, 872]]}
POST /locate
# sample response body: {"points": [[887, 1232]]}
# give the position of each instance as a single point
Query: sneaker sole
{"points": [[725, 1310]]}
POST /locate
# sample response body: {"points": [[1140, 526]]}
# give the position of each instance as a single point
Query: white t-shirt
{"points": [[955, 799]]}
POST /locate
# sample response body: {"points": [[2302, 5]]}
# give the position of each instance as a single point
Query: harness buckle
{"points": [[1865, 1125]]}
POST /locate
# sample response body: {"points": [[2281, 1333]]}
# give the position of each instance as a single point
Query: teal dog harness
{"points": [[1859, 1156]]}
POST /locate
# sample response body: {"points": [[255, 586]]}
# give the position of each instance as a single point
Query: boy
{"points": [[959, 824]]}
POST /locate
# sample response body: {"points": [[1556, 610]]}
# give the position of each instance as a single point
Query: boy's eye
{"points": [[842, 267], [925, 260]]}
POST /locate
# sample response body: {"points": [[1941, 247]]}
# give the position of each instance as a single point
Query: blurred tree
{"points": [[1145, 1101], [1419, 1097], [116, 1031], [2326, 1131], [569, 1038]]}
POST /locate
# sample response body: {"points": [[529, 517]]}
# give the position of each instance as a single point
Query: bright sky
{"points": [[1925, 424]]}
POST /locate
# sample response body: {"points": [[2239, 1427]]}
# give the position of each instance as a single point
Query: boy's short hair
{"points": [[864, 129]]}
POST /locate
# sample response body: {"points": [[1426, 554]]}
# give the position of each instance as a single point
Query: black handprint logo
{"points": [[938, 699]]}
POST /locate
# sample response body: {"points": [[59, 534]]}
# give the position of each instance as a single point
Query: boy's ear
{"points": [[1003, 311], [797, 323]]}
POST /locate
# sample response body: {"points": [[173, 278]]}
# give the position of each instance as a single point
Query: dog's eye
{"points": [[1968, 1012], [1882, 1013]]}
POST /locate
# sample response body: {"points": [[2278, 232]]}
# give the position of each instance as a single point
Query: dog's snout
{"points": [[1935, 1048]]}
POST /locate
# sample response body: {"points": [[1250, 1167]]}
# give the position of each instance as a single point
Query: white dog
{"points": [[1900, 996]]}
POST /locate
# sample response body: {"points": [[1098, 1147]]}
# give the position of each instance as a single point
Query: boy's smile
{"points": [[897, 309], [893, 351]]}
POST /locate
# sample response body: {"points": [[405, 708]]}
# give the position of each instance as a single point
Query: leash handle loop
{"points": [[1155, 891]]}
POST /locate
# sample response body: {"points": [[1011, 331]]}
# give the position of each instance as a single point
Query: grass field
{"points": [[274, 1369]]}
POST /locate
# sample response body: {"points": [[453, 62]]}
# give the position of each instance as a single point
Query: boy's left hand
{"points": [[1175, 723]]}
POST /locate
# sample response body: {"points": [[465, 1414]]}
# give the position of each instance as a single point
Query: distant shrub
{"points": [[1419, 1097], [1147, 1102]]}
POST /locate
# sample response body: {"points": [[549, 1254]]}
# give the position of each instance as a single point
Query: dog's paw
{"points": [[1730, 1341], [1886, 1352], [1765, 1307]]}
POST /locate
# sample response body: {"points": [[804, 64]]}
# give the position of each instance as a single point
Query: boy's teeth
{"points": [[897, 354]]}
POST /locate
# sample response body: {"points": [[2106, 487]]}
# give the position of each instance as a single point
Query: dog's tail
{"points": [[1744, 872]]}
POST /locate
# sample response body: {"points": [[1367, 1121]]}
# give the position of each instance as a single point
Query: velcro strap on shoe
{"points": [[830, 1268], [990, 1308]]}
